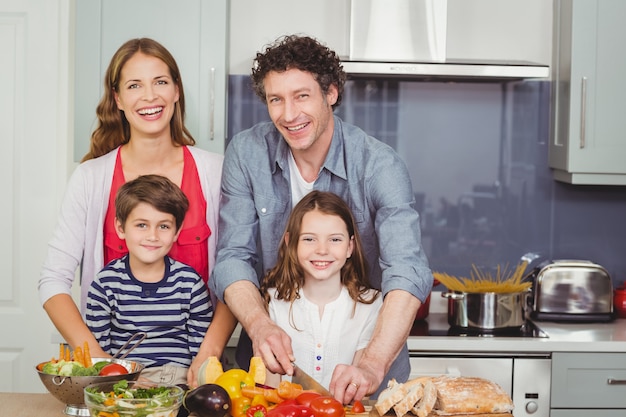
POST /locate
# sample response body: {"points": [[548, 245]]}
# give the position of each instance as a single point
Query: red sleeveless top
{"points": [[192, 246]]}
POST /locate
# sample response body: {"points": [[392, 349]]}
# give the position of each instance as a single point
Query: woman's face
{"points": [[323, 246], [147, 96]]}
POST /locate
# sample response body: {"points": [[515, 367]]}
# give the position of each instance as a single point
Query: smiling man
{"points": [[270, 167]]}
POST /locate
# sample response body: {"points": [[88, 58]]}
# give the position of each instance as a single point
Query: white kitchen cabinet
{"points": [[194, 31], [588, 383], [588, 140]]}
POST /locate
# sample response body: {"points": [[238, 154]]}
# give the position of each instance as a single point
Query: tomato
{"points": [[357, 407], [113, 369], [306, 397], [324, 406], [232, 381]]}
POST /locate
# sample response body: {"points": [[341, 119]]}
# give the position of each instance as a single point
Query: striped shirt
{"points": [[174, 312]]}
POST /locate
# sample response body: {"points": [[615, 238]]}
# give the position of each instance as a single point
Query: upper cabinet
{"points": [[588, 143], [194, 31]]}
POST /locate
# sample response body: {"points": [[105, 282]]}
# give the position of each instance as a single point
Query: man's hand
{"points": [[372, 364], [350, 383], [268, 340], [274, 345]]}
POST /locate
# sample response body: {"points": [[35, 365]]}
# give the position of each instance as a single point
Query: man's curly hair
{"points": [[303, 53]]}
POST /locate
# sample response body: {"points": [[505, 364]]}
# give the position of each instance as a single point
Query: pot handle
{"points": [[453, 295]]}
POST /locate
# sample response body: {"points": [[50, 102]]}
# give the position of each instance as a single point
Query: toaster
{"points": [[571, 290]]}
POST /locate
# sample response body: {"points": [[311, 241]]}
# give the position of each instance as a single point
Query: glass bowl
{"points": [[101, 400]]}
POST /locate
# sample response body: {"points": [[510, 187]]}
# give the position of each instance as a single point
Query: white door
{"points": [[34, 150]]}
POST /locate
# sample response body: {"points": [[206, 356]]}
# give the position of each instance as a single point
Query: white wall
{"points": [[255, 24]]}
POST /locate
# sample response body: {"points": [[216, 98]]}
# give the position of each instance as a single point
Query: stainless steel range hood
{"points": [[408, 39]]}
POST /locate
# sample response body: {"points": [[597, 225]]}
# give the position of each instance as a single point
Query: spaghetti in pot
{"points": [[504, 281]]}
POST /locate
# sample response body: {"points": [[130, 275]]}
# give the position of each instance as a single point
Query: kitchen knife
{"points": [[307, 381]]}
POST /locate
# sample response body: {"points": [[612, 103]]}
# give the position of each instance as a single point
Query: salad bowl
{"points": [[70, 389], [133, 399]]}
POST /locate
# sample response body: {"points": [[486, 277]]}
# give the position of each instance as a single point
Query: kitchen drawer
{"points": [[586, 413], [581, 380]]}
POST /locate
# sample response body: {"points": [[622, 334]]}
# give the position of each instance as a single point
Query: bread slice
{"points": [[414, 394], [428, 400], [470, 395], [390, 396]]}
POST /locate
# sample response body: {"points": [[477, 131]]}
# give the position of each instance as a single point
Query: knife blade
{"points": [[307, 381]]}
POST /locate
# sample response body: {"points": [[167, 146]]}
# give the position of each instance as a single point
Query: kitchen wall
{"points": [[477, 155]]}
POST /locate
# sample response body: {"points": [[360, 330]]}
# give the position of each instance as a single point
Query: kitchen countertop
{"points": [[562, 337], [30, 405]]}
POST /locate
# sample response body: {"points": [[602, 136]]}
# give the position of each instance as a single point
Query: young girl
{"points": [[318, 291]]}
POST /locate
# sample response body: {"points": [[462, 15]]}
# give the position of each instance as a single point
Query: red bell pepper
{"points": [[256, 411], [290, 410]]}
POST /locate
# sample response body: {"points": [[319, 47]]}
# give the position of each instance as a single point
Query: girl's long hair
{"points": [[113, 129], [287, 276]]}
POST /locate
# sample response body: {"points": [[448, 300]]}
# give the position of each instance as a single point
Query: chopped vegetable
{"points": [[289, 390], [157, 400], [271, 395], [357, 407], [210, 370], [87, 355], [72, 368], [258, 370]]}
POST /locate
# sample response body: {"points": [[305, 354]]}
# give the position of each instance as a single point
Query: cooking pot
{"points": [[486, 311]]}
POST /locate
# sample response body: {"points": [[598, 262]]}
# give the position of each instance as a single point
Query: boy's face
{"points": [[149, 234]]}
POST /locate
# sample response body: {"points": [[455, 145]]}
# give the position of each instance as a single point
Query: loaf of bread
{"points": [[444, 395], [427, 402], [470, 395], [390, 396], [414, 394]]}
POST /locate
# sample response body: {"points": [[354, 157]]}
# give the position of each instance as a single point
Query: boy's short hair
{"points": [[155, 190]]}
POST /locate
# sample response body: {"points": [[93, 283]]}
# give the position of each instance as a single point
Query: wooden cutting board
{"points": [[372, 412]]}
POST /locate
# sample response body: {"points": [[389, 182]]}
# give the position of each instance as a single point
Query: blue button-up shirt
{"points": [[368, 174]]}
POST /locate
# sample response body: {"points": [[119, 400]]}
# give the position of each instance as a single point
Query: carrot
{"points": [[87, 355], [288, 390], [271, 395], [61, 351], [78, 355], [67, 356]]}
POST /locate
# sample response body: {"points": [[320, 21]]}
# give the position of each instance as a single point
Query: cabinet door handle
{"points": [[612, 381], [583, 111], [212, 104]]}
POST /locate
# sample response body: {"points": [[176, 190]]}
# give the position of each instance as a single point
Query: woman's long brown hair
{"points": [[113, 129]]}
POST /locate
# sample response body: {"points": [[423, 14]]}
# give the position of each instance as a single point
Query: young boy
{"points": [[146, 290]]}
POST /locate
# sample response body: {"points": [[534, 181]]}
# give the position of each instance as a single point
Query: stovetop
{"points": [[437, 325]]}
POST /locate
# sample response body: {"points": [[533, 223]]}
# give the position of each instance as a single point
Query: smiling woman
{"points": [[140, 131]]}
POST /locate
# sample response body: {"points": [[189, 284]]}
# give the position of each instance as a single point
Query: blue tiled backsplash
{"points": [[478, 158]]}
